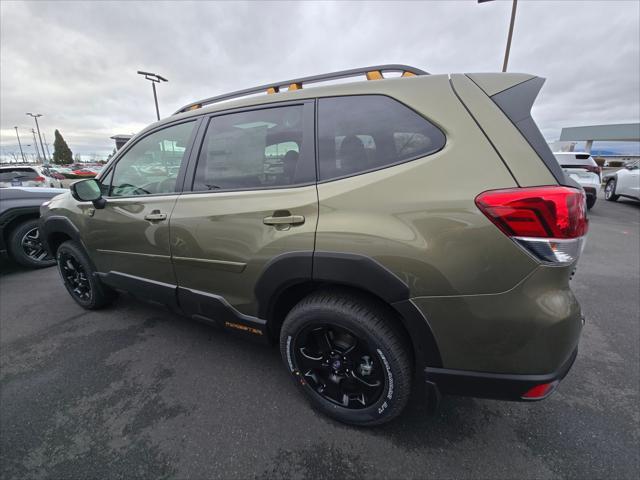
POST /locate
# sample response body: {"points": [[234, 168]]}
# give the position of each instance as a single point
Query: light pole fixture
{"points": [[154, 78], [514, 5], [35, 117], [20, 145]]}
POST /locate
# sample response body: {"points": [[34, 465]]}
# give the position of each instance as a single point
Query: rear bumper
{"points": [[493, 385]]}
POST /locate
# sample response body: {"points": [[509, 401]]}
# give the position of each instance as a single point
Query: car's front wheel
{"points": [[26, 248], [344, 353], [610, 190], [79, 278]]}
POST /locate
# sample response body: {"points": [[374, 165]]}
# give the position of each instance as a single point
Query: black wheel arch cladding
{"points": [[351, 270]]}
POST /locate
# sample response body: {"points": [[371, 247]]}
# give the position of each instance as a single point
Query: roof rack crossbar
{"points": [[275, 87]]}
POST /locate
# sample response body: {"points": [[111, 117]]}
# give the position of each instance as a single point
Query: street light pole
{"points": [[154, 78], [20, 145], [510, 34], [508, 49], [35, 117], [35, 144], [46, 145]]}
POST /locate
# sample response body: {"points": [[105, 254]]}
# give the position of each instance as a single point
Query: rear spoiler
{"points": [[515, 94]]}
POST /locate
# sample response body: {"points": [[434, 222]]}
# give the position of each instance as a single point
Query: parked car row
{"points": [[583, 169]]}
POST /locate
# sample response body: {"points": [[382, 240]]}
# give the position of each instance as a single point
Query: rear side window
{"points": [[368, 132], [264, 148]]}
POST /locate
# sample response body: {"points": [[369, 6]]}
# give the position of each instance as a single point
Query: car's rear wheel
{"points": [[610, 190], [79, 278], [591, 201], [26, 248], [344, 353]]}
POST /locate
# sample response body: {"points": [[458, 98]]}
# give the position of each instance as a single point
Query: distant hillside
{"points": [[606, 153]]}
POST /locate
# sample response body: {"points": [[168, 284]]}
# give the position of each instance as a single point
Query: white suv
{"points": [[27, 176], [582, 168]]}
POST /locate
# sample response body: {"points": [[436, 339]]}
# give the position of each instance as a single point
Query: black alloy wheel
{"points": [[25, 246], [75, 277], [79, 277], [32, 245], [348, 356], [339, 366]]}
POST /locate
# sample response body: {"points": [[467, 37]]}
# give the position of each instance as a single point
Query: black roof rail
{"points": [[372, 73]]}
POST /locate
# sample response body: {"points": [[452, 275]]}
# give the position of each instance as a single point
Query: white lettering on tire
{"points": [[289, 338], [390, 392]]}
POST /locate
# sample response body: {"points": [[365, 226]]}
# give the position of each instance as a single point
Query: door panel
{"points": [[629, 183], [120, 239], [130, 235], [220, 243], [253, 198]]}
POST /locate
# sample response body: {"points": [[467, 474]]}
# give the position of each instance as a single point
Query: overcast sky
{"points": [[76, 62]]}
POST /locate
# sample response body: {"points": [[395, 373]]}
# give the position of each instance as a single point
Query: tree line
{"points": [[62, 154]]}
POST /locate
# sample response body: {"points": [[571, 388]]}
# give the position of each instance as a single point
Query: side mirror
{"points": [[88, 191]]}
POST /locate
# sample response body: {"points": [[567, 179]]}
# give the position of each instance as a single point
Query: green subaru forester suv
{"points": [[399, 228]]}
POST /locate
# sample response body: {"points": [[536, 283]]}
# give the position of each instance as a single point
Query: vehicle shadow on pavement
{"points": [[8, 267]]}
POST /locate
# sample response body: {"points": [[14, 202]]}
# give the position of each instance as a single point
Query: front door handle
{"points": [[155, 216], [284, 220]]}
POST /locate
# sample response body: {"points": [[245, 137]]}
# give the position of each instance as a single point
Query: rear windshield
{"points": [[22, 173], [577, 159]]}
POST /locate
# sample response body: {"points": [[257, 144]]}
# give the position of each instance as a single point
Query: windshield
{"points": [[6, 175]]}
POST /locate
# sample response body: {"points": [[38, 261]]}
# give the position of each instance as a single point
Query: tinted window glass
{"points": [[255, 149], [151, 166], [18, 173], [368, 132]]}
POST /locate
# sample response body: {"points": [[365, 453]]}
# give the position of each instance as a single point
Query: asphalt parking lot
{"points": [[137, 392]]}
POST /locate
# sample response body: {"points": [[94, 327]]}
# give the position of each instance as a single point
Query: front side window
{"points": [[255, 149], [151, 166], [368, 132]]}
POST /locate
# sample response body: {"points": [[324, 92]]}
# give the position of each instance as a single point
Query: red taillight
{"points": [[549, 222], [544, 212], [38, 179], [540, 391]]}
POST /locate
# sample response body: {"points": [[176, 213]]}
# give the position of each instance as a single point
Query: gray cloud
{"points": [[76, 62]]}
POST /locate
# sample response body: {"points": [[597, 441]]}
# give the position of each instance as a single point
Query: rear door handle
{"points": [[286, 220], [155, 216]]}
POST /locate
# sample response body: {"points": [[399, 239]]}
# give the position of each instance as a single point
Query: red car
{"points": [[84, 173]]}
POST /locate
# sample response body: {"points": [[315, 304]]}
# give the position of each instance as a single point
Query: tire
{"points": [[79, 278], [355, 367], [591, 201], [610, 190], [25, 247]]}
